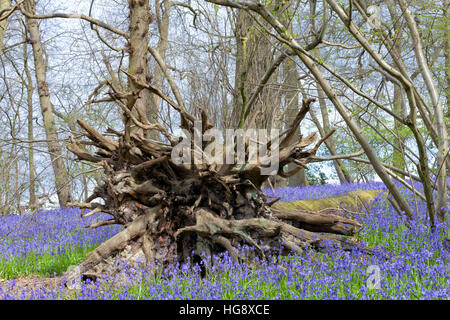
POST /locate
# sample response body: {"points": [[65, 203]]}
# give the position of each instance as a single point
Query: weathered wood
{"points": [[134, 230], [145, 165], [306, 105], [101, 224], [171, 210], [92, 212], [109, 144], [310, 217], [82, 154]]}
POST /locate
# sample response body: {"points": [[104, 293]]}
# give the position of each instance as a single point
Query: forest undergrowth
{"points": [[407, 263]]}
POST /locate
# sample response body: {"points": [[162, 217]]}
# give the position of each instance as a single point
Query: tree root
{"points": [[170, 211]]}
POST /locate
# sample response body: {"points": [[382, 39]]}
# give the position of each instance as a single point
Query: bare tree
{"points": [[441, 129], [4, 12], [32, 203], [416, 102], [342, 172], [54, 148]]}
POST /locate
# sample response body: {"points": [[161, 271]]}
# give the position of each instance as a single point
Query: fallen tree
{"points": [[354, 201], [170, 210]]}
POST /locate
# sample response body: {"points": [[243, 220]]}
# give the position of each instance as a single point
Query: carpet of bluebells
{"points": [[411, 263]]}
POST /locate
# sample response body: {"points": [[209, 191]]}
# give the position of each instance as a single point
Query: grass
{"points": [[43, 264]]}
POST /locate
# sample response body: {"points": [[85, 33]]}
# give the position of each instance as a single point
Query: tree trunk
{"points": [[243, 24], [62, 181], [447, 65], [291, 101], [4, 4], [163, 20], [441, 203], [398, 160], [341, 170], [398, 103], [138, 63], [32, 203]]}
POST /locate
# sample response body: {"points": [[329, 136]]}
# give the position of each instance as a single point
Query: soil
{"points": [[27, 284]]}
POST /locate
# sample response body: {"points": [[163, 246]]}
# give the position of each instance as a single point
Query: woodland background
{"points": [[389, 79]]}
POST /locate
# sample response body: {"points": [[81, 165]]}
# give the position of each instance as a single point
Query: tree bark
{"points": [[291, 100], [32, 203], [140, 19], [397, 156], [341, 170], [447, 64], [398, 103], [441, 203], [163, 20], [62, 181], [4, 4]]}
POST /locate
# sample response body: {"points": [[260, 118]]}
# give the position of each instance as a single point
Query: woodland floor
{"points": [[23, 285], [419, 268]]}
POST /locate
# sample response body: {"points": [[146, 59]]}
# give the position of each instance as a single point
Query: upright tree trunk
{"points": [[243, 25], [447, 73], [398, 103], [17, 194], [140, 19], [7, 180], [4, 4], [163, 19], [59, 168], [341, 170], [29, 84], [398, 160], [291, 100], [441, 129], [447, 63]]}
